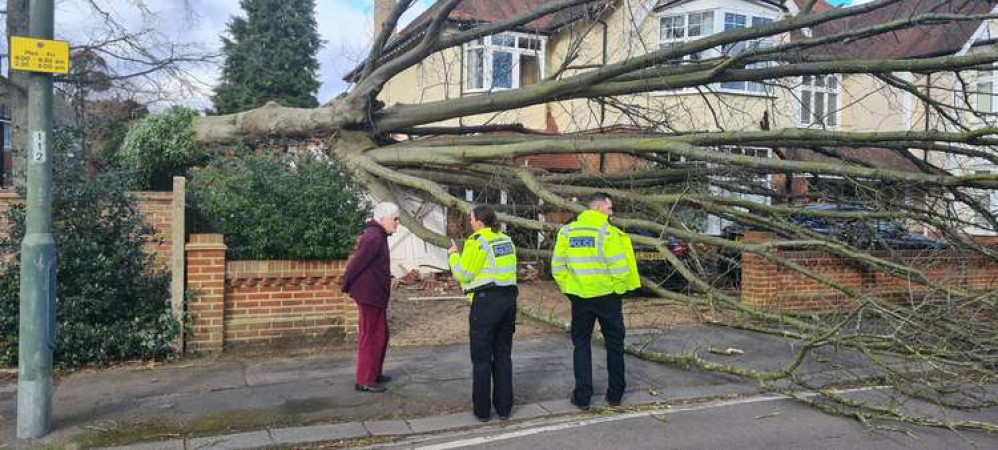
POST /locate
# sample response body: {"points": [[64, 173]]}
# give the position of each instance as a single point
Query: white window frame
{"points": [[488, 49], [665, 41], [808, 93], [751, 88], [969, 91]]}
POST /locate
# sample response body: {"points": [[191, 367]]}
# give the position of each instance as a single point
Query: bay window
{"points": [[676, 29]]}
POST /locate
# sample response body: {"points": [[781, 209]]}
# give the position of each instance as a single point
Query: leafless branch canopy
{"points": [[719, 136]]}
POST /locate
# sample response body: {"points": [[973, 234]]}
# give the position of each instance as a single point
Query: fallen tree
{"points": [[935, 343]]}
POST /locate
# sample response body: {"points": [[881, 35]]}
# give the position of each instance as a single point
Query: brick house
{"points": [[612, 30]]}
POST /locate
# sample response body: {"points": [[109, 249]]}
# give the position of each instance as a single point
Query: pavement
{"points": [[247, 402]]}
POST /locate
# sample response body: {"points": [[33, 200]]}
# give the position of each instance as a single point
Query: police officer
{"points": [[594, 265], [486, 270]]}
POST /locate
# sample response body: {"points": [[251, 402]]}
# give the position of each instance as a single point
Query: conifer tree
{"points": [[270, 55]]}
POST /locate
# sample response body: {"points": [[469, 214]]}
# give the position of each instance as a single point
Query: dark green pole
{"points": [[37, 332]]}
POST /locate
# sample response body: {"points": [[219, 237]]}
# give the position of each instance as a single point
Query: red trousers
{"points": [[372, 342]]}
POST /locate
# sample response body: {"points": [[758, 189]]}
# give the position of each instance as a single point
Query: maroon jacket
{"points": [[368, 277]]}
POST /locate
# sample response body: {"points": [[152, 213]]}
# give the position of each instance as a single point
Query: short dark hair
{"points": [[596, 197], [487, 215]]}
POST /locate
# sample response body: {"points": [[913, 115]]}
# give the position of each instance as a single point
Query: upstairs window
{"points": [[678, 29], [683, 26], [503, 61], [819, 101], [675, 29], [736, 22]]}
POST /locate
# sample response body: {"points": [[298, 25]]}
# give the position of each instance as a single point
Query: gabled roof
{"points": [[878, 158], [913, 42], [919, 41], [484, 11], [472, 12], [820, 6], [662, 4]]}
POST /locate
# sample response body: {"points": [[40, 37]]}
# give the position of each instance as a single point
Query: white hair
{"points": [[385, 210]]}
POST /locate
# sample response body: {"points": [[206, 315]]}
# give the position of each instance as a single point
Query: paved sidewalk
{"points": [[387, 429], [228, 403]]}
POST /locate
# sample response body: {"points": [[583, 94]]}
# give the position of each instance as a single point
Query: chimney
{"points": [[382, 9]]}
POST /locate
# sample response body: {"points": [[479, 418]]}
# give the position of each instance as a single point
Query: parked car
{"points": [[653, 265], [865, 234]]}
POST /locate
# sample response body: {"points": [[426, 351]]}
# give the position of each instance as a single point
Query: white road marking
{"points": [[597, 420]]}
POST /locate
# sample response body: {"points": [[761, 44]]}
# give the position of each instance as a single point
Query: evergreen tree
{"points": [[270, 55]]}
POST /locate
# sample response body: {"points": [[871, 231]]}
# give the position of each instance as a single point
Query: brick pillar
{"points": [[206, 287], [759, 276]]}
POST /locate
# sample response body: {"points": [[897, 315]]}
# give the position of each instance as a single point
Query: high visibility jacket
{"points": [[488, 259], [593, 258]]}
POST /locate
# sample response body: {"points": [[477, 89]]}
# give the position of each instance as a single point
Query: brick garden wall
{"points": [[237, 304], [769, 285], [7, 198], [164, 212], [276, 302], [156, 208]]}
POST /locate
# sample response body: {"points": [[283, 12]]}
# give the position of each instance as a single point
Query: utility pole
{"points": [[38, 268]]}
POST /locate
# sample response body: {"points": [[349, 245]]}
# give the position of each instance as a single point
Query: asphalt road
{"points": [[760, 422]]}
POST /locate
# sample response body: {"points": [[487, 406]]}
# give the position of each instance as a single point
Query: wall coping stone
{"points": [[206, 242], [283, 269]]}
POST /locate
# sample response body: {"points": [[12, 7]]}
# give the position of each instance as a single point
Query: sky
{"points": [[344, 25], [848, 2]]}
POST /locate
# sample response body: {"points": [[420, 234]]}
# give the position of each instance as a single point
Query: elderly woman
{"points": [[368, 281]]}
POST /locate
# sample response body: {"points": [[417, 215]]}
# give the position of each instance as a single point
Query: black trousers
{"points": [[491, 323], [585, 313]]}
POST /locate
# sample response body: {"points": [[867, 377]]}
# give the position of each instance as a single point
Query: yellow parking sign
{"points": [[39, 55]]}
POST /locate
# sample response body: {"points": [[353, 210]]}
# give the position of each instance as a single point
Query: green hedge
{"points": [[288, 207], [112, 305], [160, 147]]}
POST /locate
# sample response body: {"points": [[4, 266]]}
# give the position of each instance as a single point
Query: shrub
{"points": [[160, 147], [112, 305], [289, 207]]}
